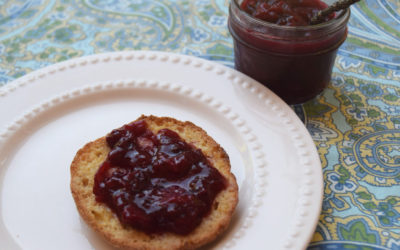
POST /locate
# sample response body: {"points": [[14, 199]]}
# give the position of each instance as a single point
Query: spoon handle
{"points": [[338, 5]]}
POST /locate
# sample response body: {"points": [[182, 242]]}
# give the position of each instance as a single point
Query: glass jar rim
{"points": [[343, 17]]}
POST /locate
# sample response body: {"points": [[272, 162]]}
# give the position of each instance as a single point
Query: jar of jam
{"points": [[293, 61]]}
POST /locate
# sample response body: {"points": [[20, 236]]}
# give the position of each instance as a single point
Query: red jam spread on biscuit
{"points": [[285, 12], [156, 182]]}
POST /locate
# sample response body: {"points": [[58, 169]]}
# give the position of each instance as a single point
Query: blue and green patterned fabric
{"points": [[355, 123]]}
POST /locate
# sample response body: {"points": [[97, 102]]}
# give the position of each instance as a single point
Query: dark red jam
{"points": [[156, 182], [285, 12], [293, 59]]}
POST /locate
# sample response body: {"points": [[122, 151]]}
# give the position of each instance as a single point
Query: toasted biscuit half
{"points": [[99, 217]]}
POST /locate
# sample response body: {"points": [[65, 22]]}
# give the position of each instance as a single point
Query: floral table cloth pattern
{"points": [[355, 123]]}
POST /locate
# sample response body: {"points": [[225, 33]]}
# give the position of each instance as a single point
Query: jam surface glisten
{"points": [[285, 12], [156, 182]]}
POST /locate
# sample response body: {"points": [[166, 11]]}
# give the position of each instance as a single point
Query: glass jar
{"points": [[294, 62]]}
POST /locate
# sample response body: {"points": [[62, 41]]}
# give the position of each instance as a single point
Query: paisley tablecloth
{"points": [[355, 123]]}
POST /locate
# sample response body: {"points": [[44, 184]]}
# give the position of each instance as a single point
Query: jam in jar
{"points": [[156, 182], [275, 44], [285, 12]]}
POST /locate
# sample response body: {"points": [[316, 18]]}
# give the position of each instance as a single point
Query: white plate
{"points": [[47, 115]]}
